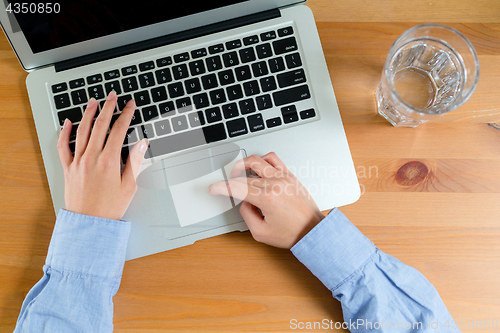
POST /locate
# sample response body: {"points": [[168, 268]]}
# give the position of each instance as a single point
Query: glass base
{"points": [[389, 112]]}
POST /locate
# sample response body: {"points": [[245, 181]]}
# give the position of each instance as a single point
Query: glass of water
{"points": [[431, 69]]}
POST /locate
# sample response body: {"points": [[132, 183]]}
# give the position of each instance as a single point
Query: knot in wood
{"points": [[412, 173]]}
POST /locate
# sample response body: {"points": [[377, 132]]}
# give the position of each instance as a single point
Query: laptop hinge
{"points": [[166, 40]]}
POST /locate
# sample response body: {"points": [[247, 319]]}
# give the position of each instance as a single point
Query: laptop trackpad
{"points": [[181, 185]]}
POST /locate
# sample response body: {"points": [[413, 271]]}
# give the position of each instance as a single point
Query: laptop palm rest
{"points": [[180, 185]]}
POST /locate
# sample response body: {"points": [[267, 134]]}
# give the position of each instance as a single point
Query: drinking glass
{"points": [[430, 70]]}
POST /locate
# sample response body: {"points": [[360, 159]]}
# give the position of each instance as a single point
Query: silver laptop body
{"points": [[287, 106]]}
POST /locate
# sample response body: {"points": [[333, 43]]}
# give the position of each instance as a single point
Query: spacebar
{"points": [[185, 140]]}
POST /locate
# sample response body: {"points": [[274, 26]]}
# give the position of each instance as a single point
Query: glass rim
{"points": [[421, 111]]}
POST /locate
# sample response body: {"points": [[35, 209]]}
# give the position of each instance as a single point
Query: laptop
{"points": [[214, 82]]}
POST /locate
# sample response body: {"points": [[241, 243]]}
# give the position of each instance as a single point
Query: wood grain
{"points": [[445, 223]]}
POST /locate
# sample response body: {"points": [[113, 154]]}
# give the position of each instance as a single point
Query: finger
{"points": [[276, 162], [119, 130], [238, 190], [83, 132], [63, 145], [255, 163], [101, 124], [253, 219], [134, 162]]}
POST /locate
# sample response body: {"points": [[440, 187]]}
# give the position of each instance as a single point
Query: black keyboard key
{"points": [[163, 76], [226, 77], [181, 57], [230, 59], [179, 123], [150, 113], [113, 85], [293, 60], [159, 94], [217, 96], [72, 134], [162, 127], [162, 62], [256, 123], [251, 40], [62, 101], [129, 84], [234, 44], [114, 74], [123, 100], [268, 84], [291, 95], [198, 53], [96, 91], [146, 131], [209, 81], [180, 71], [251, 88], [273, 122], [129, 70], [146, 80], [289, 114], [230, 111], [136, 118], [131, 136], [264, 102], [213, 115], [285, 32], [77, 96], [185, 140], [285, 45], [247, 106], [201, 101], [243, 73], [192, 86], [60, 87], [291, 78], [260, 69], [146, 66], [234, 92], [216, 49], [247, 55], [175, 90], [196, 119], [167, 109], [264, 51], [94, 79], [306, 114], [237, 127], [197, 67], [142, 98], [268, 35], [76, 83], [184, 105], [276, 65], [214, 63], [74, 115]]}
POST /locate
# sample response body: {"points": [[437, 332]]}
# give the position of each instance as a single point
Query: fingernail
{"points": [[91, 102], [111, 95], [66, 122], [209, 188], [143, 146], [131, 102]]}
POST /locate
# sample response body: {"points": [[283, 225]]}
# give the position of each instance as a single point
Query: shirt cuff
{"points": [[88, 245], [334, 249]]}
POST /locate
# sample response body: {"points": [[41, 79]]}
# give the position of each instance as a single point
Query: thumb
{"points": [[135, 159]]}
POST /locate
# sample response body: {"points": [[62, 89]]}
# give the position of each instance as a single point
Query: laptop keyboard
{"points": [[193, 98]]}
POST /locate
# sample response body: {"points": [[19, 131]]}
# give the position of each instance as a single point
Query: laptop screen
{"points": [[76, 21]]}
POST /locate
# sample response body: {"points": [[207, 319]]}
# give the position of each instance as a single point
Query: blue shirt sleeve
{"points": [[82, 273], [378, 293]]}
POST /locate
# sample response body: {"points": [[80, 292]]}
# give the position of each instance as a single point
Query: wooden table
{"points": [[447, 225]]}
